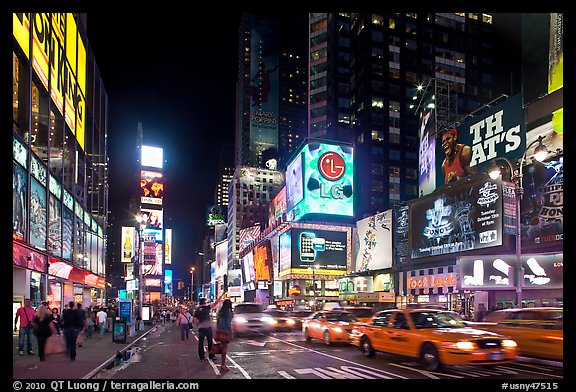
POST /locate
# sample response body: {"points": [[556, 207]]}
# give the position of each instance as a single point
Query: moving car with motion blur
{"points": [[249, 317], [362, 313], [538, 331], [279, 320], [432, 336], [298, 315], [331, 326]]}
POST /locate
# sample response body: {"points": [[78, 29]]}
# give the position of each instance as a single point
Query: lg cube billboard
{"points": [[462, 218], [319, 181]]}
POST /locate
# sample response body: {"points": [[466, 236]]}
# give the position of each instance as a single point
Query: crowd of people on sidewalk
{"points": [[60, 333]]}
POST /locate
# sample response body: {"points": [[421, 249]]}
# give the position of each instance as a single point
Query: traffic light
{"points": [[180, 285]]}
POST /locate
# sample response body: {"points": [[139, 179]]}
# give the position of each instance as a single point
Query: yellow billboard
{"points": [[21, 31], [127, 244], [57, 62], [41, 46]]}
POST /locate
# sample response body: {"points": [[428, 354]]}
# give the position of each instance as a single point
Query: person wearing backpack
{"points": [[204, 323]]}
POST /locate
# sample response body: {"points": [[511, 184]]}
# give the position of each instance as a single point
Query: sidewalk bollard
{"points": [[118, 359]]}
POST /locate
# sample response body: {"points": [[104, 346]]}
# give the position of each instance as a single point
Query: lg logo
{"points": [[331, 165]]}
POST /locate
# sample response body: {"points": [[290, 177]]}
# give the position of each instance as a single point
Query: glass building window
{"points": [[391, 24], [377, 169], [377, 20], [56, 145], [20, 95], [39, 127], [377, 135], [377, 186]]}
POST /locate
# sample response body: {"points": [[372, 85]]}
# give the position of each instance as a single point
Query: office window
{"points": [[20, 95], [377, 169], [377, 135], [377, 186], [394, 155], [39, 127], [377, 20]]}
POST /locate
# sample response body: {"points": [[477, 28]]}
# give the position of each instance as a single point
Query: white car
{"points": [[249, 317]]}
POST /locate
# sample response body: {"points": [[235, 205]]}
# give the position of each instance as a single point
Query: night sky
{"points": [[177, 76]]}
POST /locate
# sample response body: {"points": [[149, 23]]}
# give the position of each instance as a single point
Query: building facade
{"points": [[60, 163]]}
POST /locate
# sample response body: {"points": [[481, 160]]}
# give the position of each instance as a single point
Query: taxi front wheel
{"points": [[366, 348], [429, 357]]}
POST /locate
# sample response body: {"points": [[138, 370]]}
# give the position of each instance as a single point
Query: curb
{"points": [[99, 368]]}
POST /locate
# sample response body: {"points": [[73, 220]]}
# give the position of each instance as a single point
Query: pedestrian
{"points": [[163, 316], [101, 318], [41, 321], [224, 330], [89, 323], [110, 315], [204, 323], [57, 320], [82, 314], [183, 320], [72, 325], [25, 314]]}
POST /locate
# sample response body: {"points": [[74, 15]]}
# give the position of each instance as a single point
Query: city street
{"points": [[286, 355]]}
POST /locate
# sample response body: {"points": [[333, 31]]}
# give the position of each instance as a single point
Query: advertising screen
{"points": [[26, 258], [216, 215], [374, 248], [401, 231], [247, 236], [325, 249], [248, 267], [168, 282], [328, 177], [152, 187], [168, 247], [262, 262], [277, 207], [294, 182], [427, 153], [234, 279], [152, 157], [37, 215], [153, 218], [542, 206], [128, 238], [285, 254], [221, 259], [468, 149], [19, 198], [462, 218]]}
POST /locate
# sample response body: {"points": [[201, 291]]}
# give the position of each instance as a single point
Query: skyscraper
{"points": [[365, 70]]}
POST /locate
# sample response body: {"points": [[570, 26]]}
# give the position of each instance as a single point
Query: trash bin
{"points": [[119, 330]]}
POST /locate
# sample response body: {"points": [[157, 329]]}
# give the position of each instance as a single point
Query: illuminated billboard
{"points": [[277, 207], [427, 153], [248, 267], [326, 251], [168, 247], [262, 262], [327, 172], [152, 157], [168, 282], [374, 247], [127, 241], [247, 236], [221, 259], [51, 33], [152, 218], [468, 149], [400, 237], [462, 218], [235, 282], [542, 206], [152, 187], [294, 183], [215, 215]]}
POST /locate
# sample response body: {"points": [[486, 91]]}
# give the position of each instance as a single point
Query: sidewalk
{"points": [[93, 353]]}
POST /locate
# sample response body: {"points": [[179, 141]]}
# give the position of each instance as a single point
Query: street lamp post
{"points": [[540, 154], [192, 284], [314, 268]]}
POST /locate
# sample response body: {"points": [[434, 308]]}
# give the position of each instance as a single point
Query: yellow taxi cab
{"points": [[363, 313], [332, 326], [538, 331], [432, 336]]}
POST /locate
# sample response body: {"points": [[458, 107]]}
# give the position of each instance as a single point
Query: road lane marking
{"points": [[426, 373], [286, 375], [529, 371], [340, 359], [244, 372]]}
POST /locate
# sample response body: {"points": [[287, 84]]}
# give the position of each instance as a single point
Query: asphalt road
{"points": [[287, 356]]}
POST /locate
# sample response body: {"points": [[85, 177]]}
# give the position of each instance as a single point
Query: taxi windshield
{"points": [[435, 320], [340, 317]]}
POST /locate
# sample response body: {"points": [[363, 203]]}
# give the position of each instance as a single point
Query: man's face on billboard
{"points": [[449, 143]]}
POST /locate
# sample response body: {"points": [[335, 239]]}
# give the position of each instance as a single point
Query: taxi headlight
{"points": [[267, 319], [465, 345], [509, 343], [241, 320], [337, 329], [290, 321]]}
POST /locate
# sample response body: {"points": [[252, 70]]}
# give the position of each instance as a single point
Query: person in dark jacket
{"points": [[41, 322], [71, 324]]}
